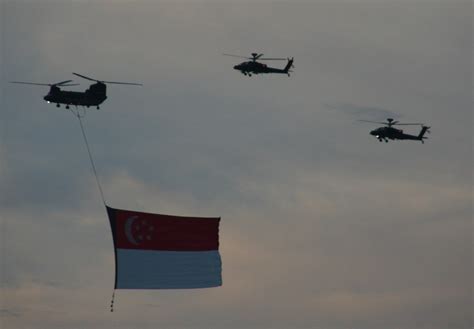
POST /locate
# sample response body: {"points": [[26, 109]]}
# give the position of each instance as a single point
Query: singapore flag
{"points": [[155, 251]]}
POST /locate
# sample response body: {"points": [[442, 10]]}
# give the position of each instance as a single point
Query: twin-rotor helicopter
{"points": [[95, 95], [388, 132]]}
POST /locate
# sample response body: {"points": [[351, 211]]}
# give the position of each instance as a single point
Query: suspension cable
{"points": [[79, 117]]}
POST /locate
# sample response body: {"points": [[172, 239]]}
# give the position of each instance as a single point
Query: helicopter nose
{"points": [[236, 67], [373, 133]]}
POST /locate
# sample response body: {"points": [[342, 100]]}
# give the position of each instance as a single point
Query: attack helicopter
{"points": [[95, 95], [254, 67], [388, 132]]}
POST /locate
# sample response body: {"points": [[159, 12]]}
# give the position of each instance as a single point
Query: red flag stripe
{"points": [[138, 230]]}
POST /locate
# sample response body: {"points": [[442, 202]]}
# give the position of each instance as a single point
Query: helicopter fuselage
{"points": [[94, 96], [385, 133], [254, 67]]}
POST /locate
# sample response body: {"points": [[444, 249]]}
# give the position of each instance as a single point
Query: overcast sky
{"points": [[322, 226]]}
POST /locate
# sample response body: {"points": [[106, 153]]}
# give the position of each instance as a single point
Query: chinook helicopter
{"points": [[388, 132], [254, 67], [95, 95]]}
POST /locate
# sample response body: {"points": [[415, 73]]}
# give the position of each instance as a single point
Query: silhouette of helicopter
{"points": [[252, 66], [95, 95], [388, 132]]}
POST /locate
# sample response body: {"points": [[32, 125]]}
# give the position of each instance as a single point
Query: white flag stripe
{"points": [[156, 269]]}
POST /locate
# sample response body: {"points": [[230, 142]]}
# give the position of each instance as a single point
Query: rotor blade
{"points": [[111, 82], [382, 123], [237, 56], [31, 83], [122, 83], [273, 59], [84, 77], [408, 124], [60, 83]]}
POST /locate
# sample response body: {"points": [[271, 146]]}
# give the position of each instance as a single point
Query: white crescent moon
{"points": [[128, 229]]}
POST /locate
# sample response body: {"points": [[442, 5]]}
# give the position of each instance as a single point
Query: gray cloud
{"points": [[9, 313], [367, 112]]}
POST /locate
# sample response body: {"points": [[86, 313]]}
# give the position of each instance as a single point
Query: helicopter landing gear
{"points": [[67, 107], [57, 105], [380, 139], [98, 108]]}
